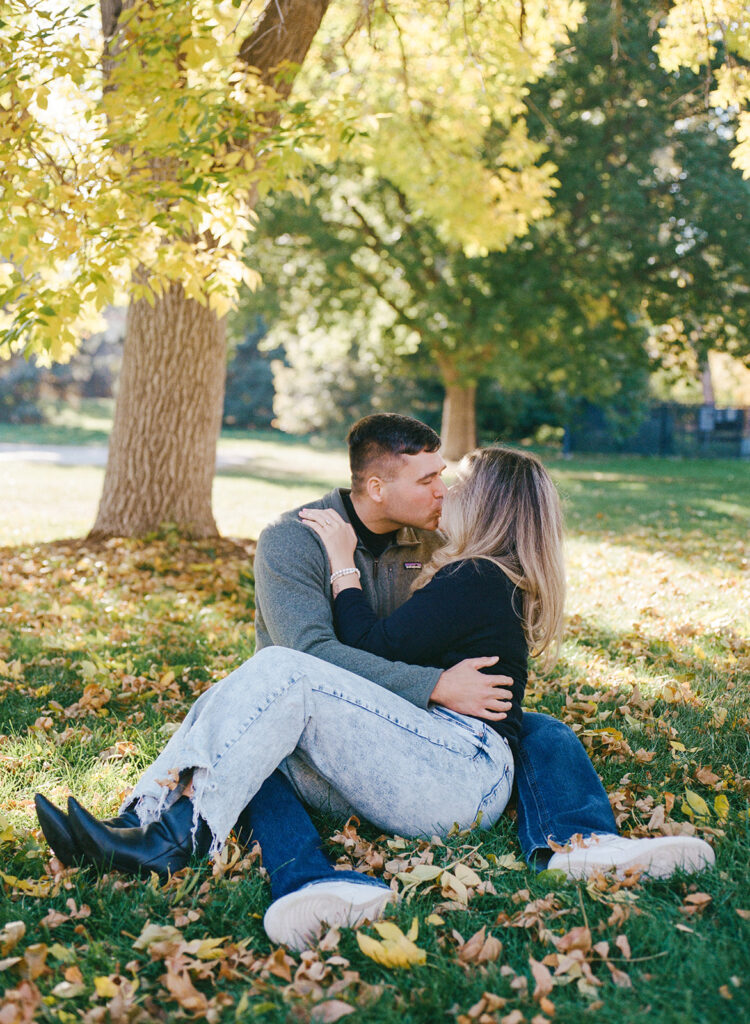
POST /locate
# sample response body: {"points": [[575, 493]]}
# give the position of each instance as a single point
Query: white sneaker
{"points": [[658, 858], [297, 919]]}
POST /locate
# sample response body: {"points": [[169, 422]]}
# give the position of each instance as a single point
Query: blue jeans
{"points": [[558, 791], [346, 744]]}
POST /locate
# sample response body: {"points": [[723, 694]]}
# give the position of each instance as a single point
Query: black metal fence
{"points": [[668, 429]]}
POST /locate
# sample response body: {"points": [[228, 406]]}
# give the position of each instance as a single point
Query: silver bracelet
{"points": [[344, 572]]}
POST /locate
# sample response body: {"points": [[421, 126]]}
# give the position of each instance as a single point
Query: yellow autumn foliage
{"points": [[694, 34], [116, 192]]}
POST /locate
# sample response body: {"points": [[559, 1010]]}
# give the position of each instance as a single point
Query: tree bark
{"points": [[162, 453], [459, 430]]}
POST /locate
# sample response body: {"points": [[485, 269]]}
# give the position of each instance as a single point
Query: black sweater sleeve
{"points": [[462, 602]]}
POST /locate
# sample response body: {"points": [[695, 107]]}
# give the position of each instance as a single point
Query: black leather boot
{"points": [[163, 846], [58, 833]]}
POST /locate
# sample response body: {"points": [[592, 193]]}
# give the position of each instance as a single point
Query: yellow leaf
{"points": [[6, 829], [721, 807], [396, 949], [695, 805], [37, 887], [676, 745], [105, 988], [508, 862], [435, 919]]}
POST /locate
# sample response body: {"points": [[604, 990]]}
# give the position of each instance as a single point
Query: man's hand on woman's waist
{"points": [[465, 689]]}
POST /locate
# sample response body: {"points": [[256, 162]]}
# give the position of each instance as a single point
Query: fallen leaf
{"points": [[153, 933], [623, 945], [480, 948], [721, 807], [105, 988], [620, 978], [695, 806], [68, 989], [10, 936], [396, 949], [184, 991], [331, 1010], [543, 979]]}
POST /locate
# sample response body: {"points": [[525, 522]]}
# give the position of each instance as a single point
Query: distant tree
{"points": [[637, 266]]}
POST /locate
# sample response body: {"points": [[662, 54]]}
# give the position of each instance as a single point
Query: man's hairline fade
{"points": [[388, 437]]}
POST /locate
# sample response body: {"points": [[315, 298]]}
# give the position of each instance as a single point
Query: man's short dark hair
{"points": [[386, 434]]}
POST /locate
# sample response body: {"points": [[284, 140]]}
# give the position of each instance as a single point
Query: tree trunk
{"points": [[459, 430], [162, 453]]}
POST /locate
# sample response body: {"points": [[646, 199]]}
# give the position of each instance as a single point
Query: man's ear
{"points": [[374, 488]]}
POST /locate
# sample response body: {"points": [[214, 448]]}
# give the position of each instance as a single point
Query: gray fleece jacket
{"points": [[294, 602]]}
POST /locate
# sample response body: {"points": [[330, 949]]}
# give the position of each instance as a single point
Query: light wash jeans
{"points": [[347, 745]]}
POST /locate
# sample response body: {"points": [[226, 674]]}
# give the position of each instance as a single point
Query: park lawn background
{"points": [[103, 648]]}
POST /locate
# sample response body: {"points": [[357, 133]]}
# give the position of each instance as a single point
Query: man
{"points": [[394, 506]]}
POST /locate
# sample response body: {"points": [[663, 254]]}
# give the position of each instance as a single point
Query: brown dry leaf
{"points": [[10, 936], [514, 1017], [543, 979], [279, 964], [547, 1006], [54, 918], [73, 975], [695, 903], [623, 945], [77, 913], [645, 756], [182, 989], [577, 938], [480, 948], [620, 978], [34, 963], [20, 1004], [744, 914], [331, 1010], [706, 777]]}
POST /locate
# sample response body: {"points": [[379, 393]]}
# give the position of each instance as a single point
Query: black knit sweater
{"points": [[469, 609]]}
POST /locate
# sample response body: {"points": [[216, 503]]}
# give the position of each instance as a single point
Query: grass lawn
{"points": [[103, 648]]}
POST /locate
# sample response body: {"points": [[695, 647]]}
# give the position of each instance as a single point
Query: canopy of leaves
{"points": [[134, 161], [715, 35]]}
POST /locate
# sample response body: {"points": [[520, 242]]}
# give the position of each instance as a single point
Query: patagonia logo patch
{"points": [[412, 565]]}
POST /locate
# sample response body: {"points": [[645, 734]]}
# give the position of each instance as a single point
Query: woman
{"points": [[346, 743]]}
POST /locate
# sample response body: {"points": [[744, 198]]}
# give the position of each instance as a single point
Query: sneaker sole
{"points": [[299, 922], [662, 864]]}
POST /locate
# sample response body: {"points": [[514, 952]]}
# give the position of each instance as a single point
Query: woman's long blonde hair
{"points": [[505, 508]]}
